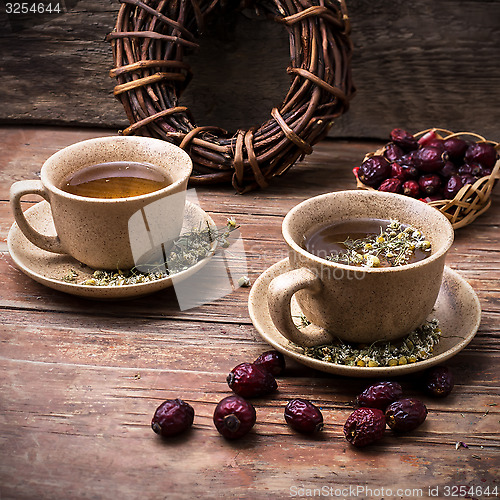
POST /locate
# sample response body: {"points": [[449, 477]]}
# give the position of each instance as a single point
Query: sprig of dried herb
{"points": [[303, 321], [416, 346], [393, 247]]}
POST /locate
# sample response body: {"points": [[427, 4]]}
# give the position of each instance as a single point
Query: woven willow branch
{"points": [[150, 40]]}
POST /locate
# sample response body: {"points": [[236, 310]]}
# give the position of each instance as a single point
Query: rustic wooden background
{"points": [[416, 64]]}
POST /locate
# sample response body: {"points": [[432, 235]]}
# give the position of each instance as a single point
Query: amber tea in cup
{"points": [[116, 179]]}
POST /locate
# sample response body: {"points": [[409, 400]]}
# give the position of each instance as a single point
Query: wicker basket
{"points": [[473, 199], [149, 43]]}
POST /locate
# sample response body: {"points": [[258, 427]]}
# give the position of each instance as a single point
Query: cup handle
{"points": [[280, 292], [17, 191]]}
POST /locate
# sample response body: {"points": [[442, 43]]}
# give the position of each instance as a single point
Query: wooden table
{"points": [[80, 379]]}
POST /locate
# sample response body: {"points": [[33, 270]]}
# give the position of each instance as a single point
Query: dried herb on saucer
{"points": [[414, 347], [189, 249]]}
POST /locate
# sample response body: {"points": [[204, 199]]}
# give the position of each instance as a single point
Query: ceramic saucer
{"points": [[50, 268], [457, 309]]}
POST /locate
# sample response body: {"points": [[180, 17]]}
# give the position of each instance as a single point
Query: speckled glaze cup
{"points": [[97, 231], [352, 303]]}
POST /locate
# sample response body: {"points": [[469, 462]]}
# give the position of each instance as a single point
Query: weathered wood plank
{"points": [[435, 65], [151, 343], [73, 423], [81, 379]]}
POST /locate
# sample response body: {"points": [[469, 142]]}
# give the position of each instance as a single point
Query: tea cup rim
{"points": [[376, 194], [44, 176]]}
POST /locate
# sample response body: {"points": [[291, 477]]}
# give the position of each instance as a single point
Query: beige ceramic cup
{"points": [[352, 303], [108, 233]]}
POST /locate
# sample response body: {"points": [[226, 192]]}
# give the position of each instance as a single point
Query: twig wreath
{"points": [[149, 42]]}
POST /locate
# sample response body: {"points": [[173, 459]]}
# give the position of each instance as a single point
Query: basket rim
{"points": [[444, 205]]}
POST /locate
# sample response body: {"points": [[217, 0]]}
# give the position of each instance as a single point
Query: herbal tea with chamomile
{"points": [[369, 243]]}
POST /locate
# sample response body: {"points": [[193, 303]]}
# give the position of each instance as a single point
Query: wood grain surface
{"points": [[416, 65], [80, 379]]}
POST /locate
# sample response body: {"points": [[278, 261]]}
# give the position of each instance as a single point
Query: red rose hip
{"points": [[452, 187], [427, 138], [430, 183], [429, 159], [406, 414], [399, 172], [403, 139], [439, 381], [411, 188], [172, 417], [448, 170], [303, 416], [455, 148], [272, 361], [234, 417], [364, 426], [374, 170], [483, 153], [467, 179], [393, 152], [436, 143], [409, 159], [410, 172], [391, 186], [380, 395], [251, 381]]}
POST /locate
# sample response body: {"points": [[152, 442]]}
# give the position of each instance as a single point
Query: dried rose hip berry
{"points": [[410, 172], [398, 171], [484, 171], [303, 416], [436, 143], [467, 179], [251, 381], [439, 381], [364, 426], [455, 148], [452, 187], [234, 417], [427, 137], [379, 395], [172, 417], [409, 159], [483, 153], [272, 361], [374, 170], [391, 186], [404, 139], [474, 169], [411, 188], [429, 159], [406, 414], [430, 183], [448, 170], [393, 152]]}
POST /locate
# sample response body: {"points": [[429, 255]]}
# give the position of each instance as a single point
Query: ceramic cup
{"points": [[108, 233], [352, 303]]}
